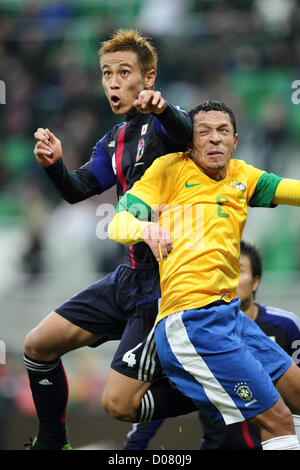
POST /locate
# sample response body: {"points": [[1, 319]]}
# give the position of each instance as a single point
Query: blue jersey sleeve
{"points": [[175, 125], [100, 166], [90, 179]]}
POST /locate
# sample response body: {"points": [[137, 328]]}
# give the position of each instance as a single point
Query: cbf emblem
{"points": [[140, 149], [238, 185], [243, 391]]}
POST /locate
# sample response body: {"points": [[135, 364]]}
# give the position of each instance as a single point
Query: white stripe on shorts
{"points": [[147, 362], [147, 407], [192, 362]]}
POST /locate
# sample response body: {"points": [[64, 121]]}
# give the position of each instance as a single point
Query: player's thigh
{"points": [[121, 395], [55, 336], [288, 386], [90, 317]]}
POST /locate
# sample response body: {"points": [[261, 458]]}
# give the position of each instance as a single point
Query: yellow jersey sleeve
{"points": [[288, 192], [126, 229]]}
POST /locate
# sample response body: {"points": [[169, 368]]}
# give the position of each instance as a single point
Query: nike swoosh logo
{"points": [[191, 185]]}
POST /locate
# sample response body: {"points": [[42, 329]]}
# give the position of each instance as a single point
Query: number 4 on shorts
{"points": [[129, 357]]}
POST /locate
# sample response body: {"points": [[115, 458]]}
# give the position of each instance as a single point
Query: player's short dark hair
{"points": [[213, 105], [254, 256]]}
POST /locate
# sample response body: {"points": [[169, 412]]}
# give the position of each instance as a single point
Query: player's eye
{"points": [[107, 73], [125, 72]]}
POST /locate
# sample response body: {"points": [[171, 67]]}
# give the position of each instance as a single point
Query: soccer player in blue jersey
{"points": [[123, 305], [282, 326]]}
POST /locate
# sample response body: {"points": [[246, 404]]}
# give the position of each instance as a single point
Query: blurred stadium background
{"points": [[246, 53]]}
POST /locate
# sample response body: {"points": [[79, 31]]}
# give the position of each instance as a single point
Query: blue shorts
{"points": [[222, 360], [121, 306]]}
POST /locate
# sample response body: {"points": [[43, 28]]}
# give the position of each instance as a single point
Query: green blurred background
{"points": [[245, 53]]}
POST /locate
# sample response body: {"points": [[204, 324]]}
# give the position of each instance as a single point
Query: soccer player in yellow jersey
{"points": [[215, 355]]}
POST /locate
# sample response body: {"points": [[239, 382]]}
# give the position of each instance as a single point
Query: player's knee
{"points": [[35, 347], [119, 410]]}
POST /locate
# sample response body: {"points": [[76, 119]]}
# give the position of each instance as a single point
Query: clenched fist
{"points": [[48, 148], [150, 101]]}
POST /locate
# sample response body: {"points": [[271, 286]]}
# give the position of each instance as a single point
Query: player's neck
{"points": [[131, 113], [250, 309], [215, 174]]}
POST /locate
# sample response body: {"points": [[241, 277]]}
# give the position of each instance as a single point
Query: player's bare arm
{"points": [[159, 240], [48, 148], [150, 101]]}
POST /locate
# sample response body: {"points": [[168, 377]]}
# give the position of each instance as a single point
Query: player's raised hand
{"points": [[150, 101], [159, 240], [47, 149]]}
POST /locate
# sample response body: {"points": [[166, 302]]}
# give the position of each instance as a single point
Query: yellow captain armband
{"points": [[126, 229], [287, 192]]}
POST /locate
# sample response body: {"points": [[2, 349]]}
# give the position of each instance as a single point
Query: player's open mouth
{"points": [[115, 100]]}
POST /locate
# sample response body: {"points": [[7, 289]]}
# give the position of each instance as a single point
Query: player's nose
{"points": [[114, 82], [214, 136]]}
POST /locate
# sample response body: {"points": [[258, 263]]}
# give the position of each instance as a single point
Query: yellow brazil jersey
{"points": [[206, 219]]}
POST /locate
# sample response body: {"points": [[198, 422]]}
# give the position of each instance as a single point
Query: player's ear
{"points": [[256, 282], [236, 138], [150, 77]]}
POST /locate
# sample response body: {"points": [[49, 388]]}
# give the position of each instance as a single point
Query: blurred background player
{"points": [[124, 303], [280, 325]]}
